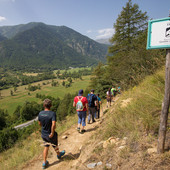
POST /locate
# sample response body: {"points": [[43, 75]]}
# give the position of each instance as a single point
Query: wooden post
{"points": [[165, 106]]}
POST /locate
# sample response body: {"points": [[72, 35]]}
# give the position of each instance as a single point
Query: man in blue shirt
{"points": [[92, 103], [47, 120]]}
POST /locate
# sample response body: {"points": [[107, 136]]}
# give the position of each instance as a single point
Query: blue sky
{"points": [[93, 18]]}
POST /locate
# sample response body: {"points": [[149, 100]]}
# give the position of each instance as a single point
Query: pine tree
{"points": [[129, 25]]}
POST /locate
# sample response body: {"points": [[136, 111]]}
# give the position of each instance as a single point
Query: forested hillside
{"points": [[39, 46]]}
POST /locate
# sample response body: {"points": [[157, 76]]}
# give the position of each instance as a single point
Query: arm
{"points": [[53, 126], [74, 104], [39, 123]]}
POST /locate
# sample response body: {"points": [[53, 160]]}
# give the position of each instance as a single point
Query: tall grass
{"points": [[141, 115]]}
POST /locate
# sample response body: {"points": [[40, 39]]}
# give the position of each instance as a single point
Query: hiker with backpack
{"points": [[109, 97], [92, 103], [47, 121], [98, 108], [81, 105]]}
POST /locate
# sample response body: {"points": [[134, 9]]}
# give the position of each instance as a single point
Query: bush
{"points": [[8, 138]]}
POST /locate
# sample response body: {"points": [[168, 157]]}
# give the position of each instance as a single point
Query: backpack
{"points": [[109, 95], [90, 100], [79, 105]]}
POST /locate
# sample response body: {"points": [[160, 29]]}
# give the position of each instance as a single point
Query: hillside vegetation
{"points": [[37, 46], [135, 116]]}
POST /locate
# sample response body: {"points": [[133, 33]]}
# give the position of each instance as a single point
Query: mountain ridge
{"points": [[48, 46]]}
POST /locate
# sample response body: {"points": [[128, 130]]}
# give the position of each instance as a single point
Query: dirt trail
{"points": [[72, 145]]}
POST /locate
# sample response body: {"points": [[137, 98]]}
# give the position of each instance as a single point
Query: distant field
{"points": [[10, 103], [73, 69]]}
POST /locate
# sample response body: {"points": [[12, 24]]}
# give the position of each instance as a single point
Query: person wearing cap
{"points": [[92, 103], [81, 104]]}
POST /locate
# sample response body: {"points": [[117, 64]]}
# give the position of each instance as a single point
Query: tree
{"points": [[129, 25], [63, 83]]}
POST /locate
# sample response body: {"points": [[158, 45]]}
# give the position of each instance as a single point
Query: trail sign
{"points": [[159, 34]]}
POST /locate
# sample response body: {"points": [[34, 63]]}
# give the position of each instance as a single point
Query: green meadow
{"points": [[22, 95]]}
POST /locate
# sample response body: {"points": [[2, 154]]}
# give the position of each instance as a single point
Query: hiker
{"points": [[113, 91], [92, 102], [81, 105], [119, 90], [108, 97], [99, 103], [47, 121]]}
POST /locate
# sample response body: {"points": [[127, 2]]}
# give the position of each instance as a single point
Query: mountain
{"points": [[39, 46], [2, 38], [11, 31]]}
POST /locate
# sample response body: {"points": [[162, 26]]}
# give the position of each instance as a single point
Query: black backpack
{"points": [[90, 100]]}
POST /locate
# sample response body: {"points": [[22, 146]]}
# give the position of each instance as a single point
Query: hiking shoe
{"points": [[78, 129], [88, 122], [61, 154], [82, 131], [45, 164]]}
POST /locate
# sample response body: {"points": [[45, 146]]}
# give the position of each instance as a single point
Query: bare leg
{"points": [[57, 150], [45, 153]]}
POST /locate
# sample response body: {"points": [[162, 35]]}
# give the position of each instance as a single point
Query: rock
{"points": [[123, 142], [117, 139], [121, 147], [99, 163], [125, 138], [152, 150], [91, 165], [110, 138], [108, 165], [105, 144], [113, 141], [64, 137]]}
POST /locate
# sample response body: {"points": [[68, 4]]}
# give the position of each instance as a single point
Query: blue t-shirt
{"points": [[98, 98], [46, 118]]}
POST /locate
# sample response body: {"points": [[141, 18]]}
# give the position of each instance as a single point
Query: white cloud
{"points": [[89, 31], [105, 33], [2, 18]]}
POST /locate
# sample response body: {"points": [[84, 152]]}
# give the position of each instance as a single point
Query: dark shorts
{"points": [[109, 99], [53, 141]]}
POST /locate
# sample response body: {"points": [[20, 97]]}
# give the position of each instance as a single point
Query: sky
{"points": [[92, 18]]}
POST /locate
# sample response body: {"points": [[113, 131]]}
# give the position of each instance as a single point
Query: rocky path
{"points": [[72, 142]]}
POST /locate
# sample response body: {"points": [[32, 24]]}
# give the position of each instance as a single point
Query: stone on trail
{"points": [[152, 150], [99, 163], [91, 165], [108, 165], [64, 137]]}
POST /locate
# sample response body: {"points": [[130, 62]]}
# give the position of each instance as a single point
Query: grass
{"points": [[74, 69], [30, 148], [10, 103], [141, 114]]}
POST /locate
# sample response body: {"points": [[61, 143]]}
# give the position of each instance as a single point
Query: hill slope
{"points": [[41, 46]]}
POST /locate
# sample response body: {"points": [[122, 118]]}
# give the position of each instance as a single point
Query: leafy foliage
{"points": [[129, 61], [129, 25]]}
